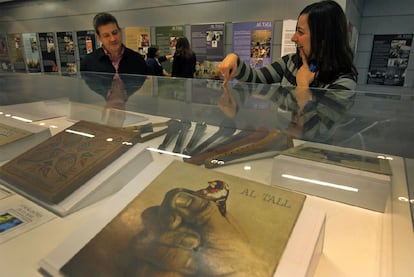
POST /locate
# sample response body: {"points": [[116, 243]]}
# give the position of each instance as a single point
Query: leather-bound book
{"points": [[55, 168]]}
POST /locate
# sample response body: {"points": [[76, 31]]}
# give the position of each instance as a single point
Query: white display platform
{"points": [[19, 216], [106, 182], [104, 115], [300, 257], [351, 186], [10, 150], [358, 242], [35, 111]]}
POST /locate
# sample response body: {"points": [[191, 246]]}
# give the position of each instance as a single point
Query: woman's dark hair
{"points": [[152, 50], [330, 50], [182, 47], [103, 18]]}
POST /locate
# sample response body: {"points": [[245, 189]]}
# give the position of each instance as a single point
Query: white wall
{"points": [[40, 16], [369, 16], [62, 15]]}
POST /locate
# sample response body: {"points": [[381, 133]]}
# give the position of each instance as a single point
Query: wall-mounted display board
{"points": [[66, 52], [166, 39], [31, 50], [15, 43], [86, 42], [288, 30], [389, 59], [207, 41], [5, 64], [48, 51], [252, 41], [138, 39]]}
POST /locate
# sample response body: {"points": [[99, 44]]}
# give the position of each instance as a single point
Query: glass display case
{"points": [[239, 130]]}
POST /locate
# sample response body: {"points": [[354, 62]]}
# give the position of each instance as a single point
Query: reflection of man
{"points": [[116, 98], [188, 236]]}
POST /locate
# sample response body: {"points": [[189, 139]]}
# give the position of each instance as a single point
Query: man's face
{"points": [[110, 37]]}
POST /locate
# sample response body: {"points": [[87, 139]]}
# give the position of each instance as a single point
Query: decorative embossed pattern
{"points": [[58, 166], [10, 134]]}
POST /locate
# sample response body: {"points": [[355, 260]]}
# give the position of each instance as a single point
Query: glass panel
{"points": [[359, 120], [376, 122]]}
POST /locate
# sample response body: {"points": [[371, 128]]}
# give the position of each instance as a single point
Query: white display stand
{"points": [[10, 150], [23, 216], [106, 182], [299, 259], [104, 115], [35, 111], [351, 186], [357, 242]]}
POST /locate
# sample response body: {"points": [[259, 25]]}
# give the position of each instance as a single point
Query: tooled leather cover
{"points": [[55, 168]]}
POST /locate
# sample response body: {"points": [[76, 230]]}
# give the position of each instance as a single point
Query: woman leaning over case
{"points": [[323, 59]]}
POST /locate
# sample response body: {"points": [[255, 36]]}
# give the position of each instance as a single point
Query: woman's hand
{"points": [[228, 67], [304, 76]]}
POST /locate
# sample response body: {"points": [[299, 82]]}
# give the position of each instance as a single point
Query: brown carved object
{"points": [[239, 141], [272, 141], [55, 168]]}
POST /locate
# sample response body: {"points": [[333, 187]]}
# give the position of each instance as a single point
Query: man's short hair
{"points": [[102, 19]]}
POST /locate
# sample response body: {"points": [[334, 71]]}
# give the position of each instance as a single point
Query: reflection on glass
{"points": [[116, 90], [321, 183], [375, 122]]}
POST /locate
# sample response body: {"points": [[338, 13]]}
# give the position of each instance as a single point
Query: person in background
{"points": [[323, 59], [154, 60], [113, 56], [184, 62]]}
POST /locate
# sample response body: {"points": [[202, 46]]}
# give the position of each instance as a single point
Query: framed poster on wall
{"points": [[252, 41], [86, 42], [5, 63], [138, 39], [48, 52], [389, 59], [207, 41], [31, 50], [15, 42], [288, 30], [66, 52]]}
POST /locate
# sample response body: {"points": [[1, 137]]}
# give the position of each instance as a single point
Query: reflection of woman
{"points": [[184, 63]]}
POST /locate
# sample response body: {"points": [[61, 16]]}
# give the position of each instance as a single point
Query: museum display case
{"points": [[356, 175]]}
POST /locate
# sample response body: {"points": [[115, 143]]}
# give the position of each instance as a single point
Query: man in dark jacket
{"points": [[113, 62], [113, 56]]}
